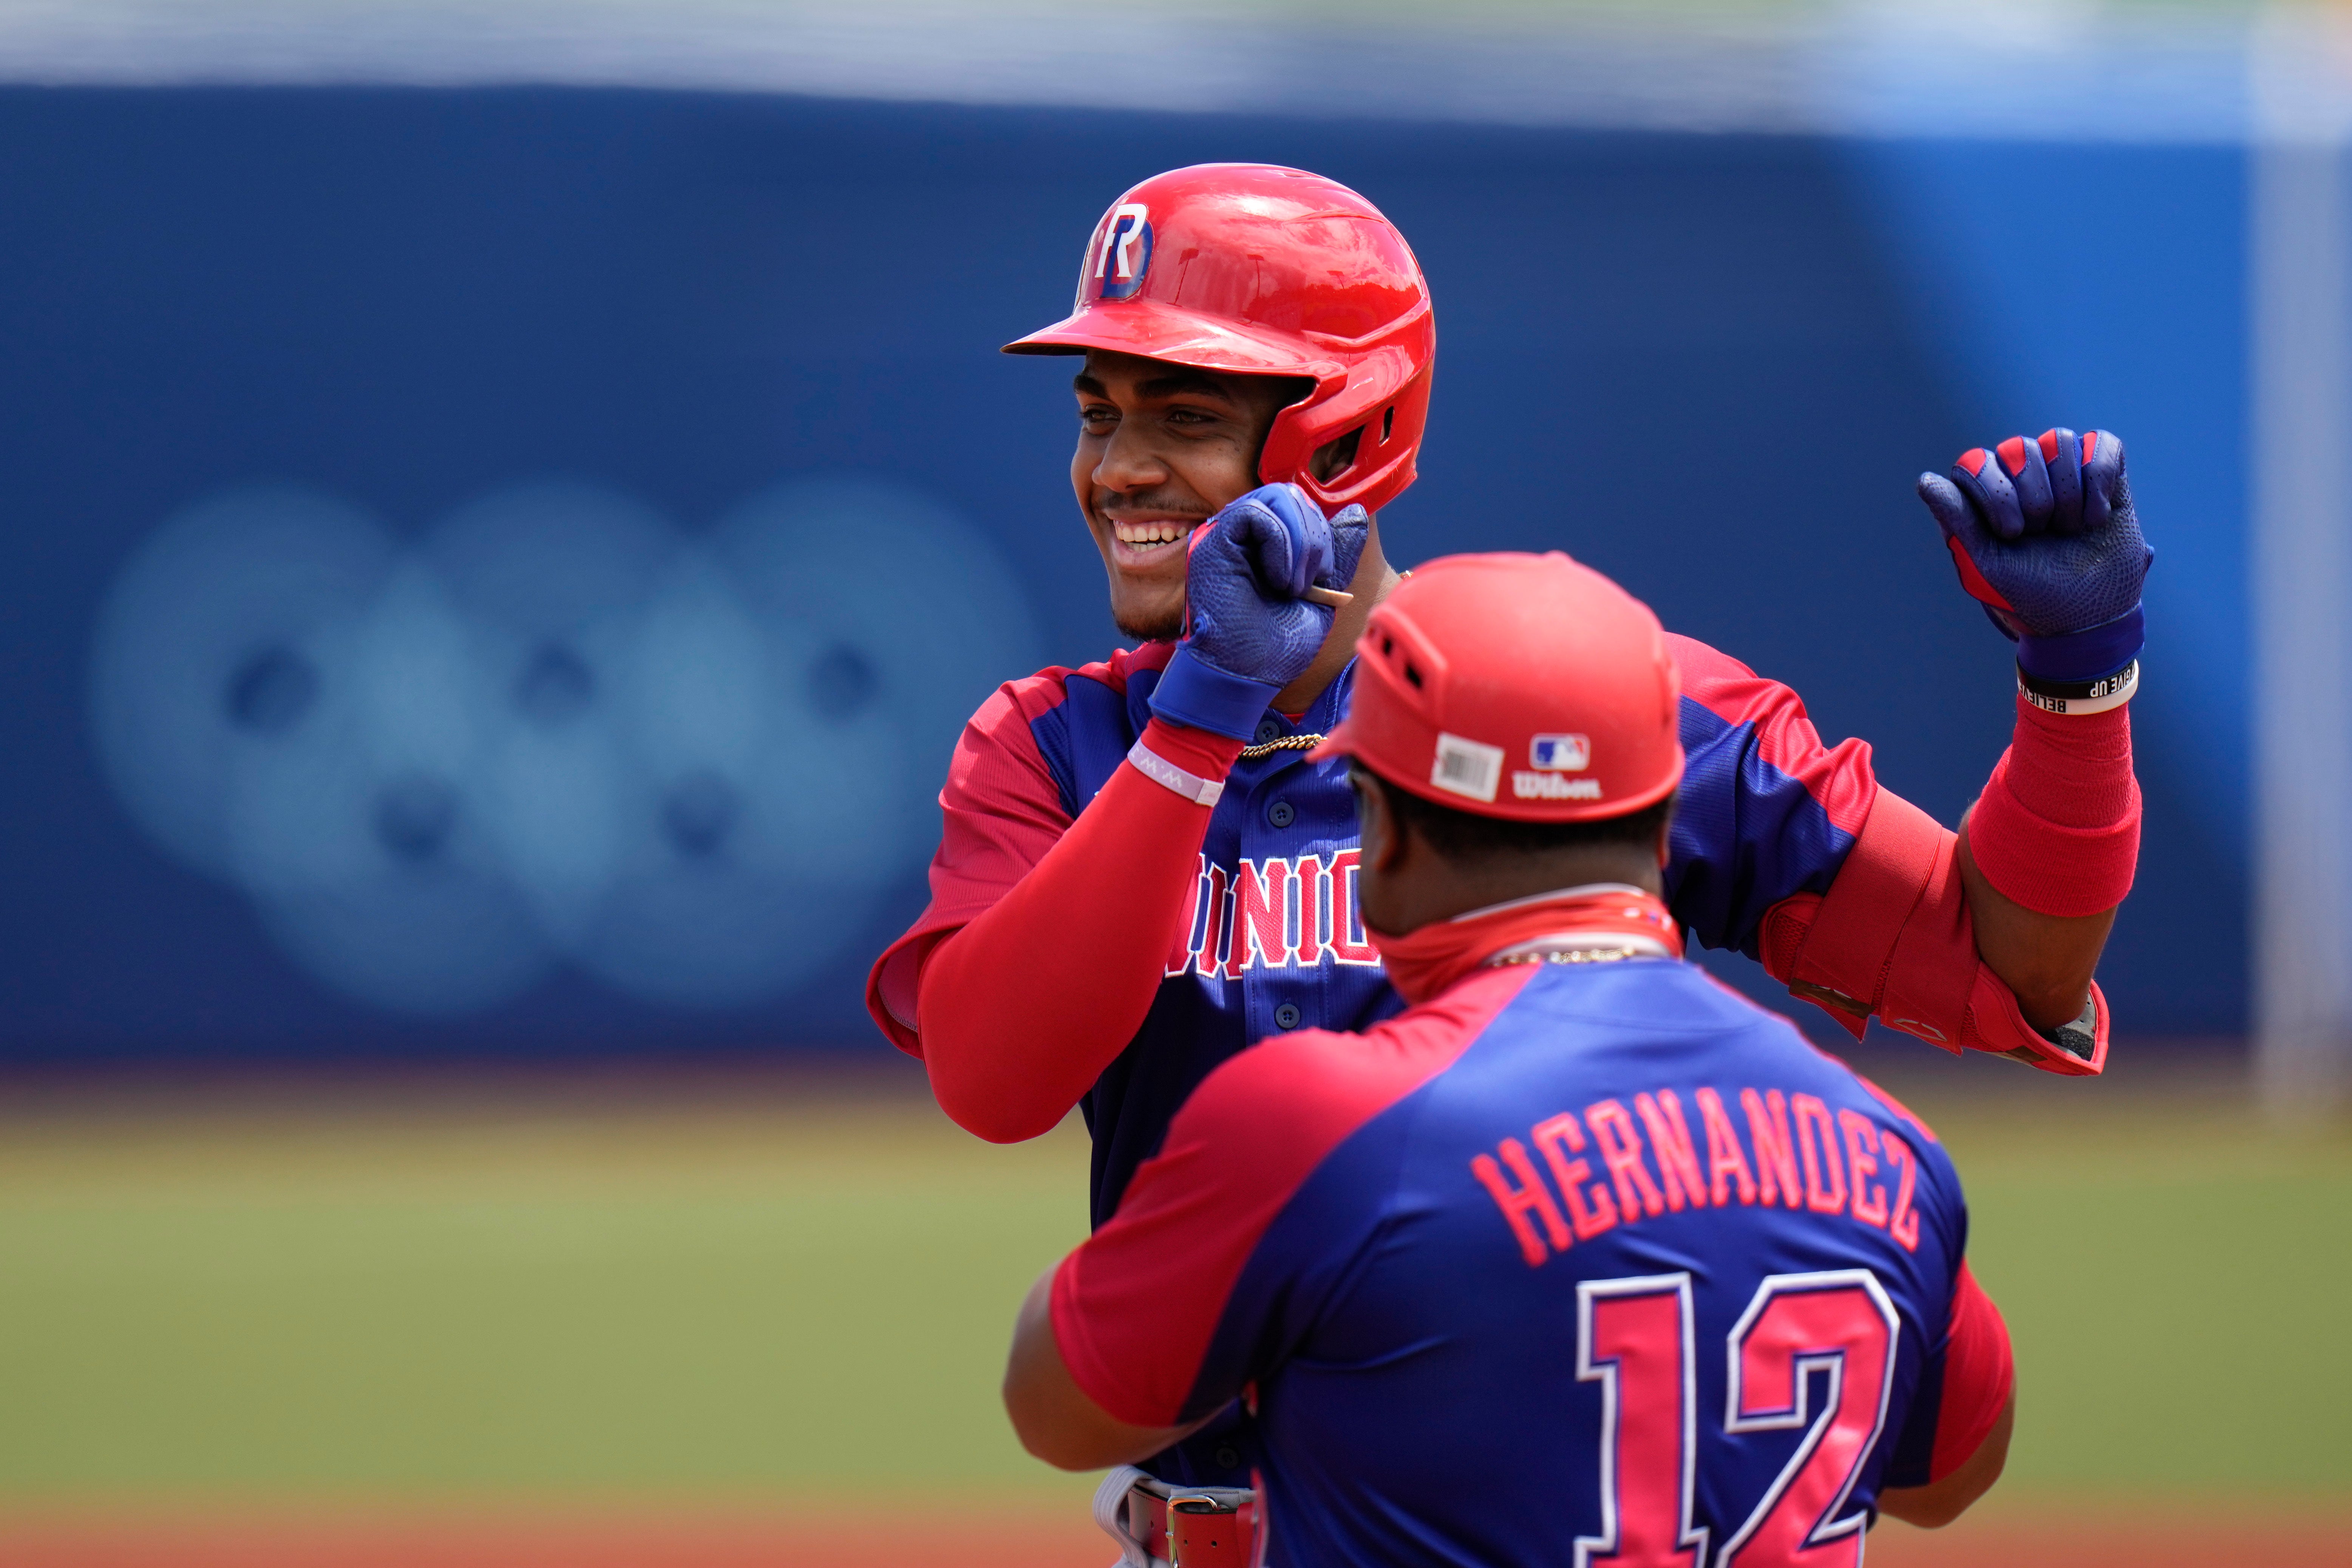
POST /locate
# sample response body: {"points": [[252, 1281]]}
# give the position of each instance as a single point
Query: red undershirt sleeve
{"points": [[2057, 829], [1021, 1010]]}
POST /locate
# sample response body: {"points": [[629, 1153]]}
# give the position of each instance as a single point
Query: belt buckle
{"points": [[1179, 1505]]}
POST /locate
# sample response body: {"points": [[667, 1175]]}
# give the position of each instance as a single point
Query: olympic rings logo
{"points": [[553, 730]]}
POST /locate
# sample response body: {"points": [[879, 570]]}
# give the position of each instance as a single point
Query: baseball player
{"points": [[1143, 873], [1582, 1257]]}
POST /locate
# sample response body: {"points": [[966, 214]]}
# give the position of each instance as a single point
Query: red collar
{"points": [[1427, 963]]}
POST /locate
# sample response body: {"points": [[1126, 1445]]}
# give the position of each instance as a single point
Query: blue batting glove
{"points": [[1248, 633], [2044, 536]]}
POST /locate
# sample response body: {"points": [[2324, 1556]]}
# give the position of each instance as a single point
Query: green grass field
{"points": [[746, 1297]]}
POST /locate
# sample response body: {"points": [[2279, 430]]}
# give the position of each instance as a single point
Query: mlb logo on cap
{"points": [[1561, 753]]}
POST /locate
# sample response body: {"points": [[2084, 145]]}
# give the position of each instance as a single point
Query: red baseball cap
{"points": [[1525, 686]]}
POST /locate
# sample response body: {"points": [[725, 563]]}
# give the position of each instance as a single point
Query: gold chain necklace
{"points": [[1280, 744], [1290, 743]]}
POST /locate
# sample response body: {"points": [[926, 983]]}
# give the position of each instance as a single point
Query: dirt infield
{"points": [[1026, 1537], [985, 1539], [2102, 1539]]}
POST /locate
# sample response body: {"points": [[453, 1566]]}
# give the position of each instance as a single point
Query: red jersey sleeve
{"points": [[1766, 810], [1978, 1373], [1963, 1386], [1837, 779], [1135, 1309]]}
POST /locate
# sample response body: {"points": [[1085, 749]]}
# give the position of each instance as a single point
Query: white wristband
{"points": [[1160, 771], [2113, 692]]}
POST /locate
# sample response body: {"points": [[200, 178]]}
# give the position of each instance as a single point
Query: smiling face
{"points": [[1162, 448]]}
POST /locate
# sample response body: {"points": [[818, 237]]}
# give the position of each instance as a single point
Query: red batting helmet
{"points": [[1262, 271], [1525, 686]]}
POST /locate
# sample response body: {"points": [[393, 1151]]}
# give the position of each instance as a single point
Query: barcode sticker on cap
{"points": [[1467, 767]]}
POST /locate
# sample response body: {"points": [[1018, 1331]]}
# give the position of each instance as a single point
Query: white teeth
{"points": [[1151, 533]]}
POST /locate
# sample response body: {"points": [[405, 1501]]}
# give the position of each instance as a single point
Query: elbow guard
{"points": [[1893, 938]]}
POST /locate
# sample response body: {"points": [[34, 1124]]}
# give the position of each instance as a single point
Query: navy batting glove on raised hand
{"points": [[1248, 633], [2045, 535]]}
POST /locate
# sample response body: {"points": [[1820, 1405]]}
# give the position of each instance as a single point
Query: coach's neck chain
{"points": [[1569, 955], [1280, 744]]}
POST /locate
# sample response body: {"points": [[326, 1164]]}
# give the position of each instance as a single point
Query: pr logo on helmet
{"points": [[1126, 253]]}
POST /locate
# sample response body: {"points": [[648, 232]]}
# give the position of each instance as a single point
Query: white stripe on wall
{"points": [[2299, 245]]}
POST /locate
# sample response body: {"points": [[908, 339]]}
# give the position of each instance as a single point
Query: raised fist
{"points": [[1248, 632], [2044, 536]]}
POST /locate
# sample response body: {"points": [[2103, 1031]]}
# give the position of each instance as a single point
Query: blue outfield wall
{"points": [[496, 573]]}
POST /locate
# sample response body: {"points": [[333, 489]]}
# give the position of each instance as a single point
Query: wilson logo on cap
{"points": [[1126, 252], [1551, 786], [1561, 753]]}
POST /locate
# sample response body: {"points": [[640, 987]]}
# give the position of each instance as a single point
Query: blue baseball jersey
{"points": [[1573, 1263], [1273, 939]]}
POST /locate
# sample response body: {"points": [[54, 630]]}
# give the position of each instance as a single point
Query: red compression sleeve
{"points": [[2057, 829], [1978, 1373], [1022, 1009]]}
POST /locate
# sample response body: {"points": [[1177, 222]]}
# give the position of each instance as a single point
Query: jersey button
{"points": [[1282, 813], [1287, 1015], [1268, 728]]}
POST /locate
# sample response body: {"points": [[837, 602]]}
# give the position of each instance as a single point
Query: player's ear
{"points": [[1395, 832], [1335, 456], [1665, 839], [1381, 834]]}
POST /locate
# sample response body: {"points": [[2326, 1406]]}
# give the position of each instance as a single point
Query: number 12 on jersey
{"points": [[1633, 1337]]}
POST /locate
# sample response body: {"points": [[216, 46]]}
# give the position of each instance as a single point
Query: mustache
{"points": [[1116, 505]]}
